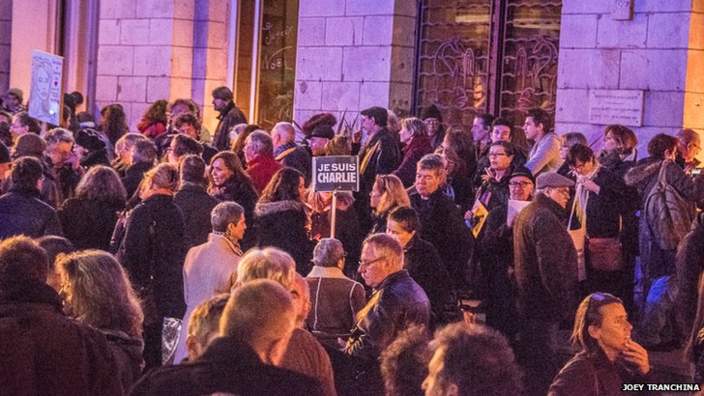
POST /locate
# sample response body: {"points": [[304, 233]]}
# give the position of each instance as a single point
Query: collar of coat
{"points": [[223, 112], [326, 272], [644, 170], [267, 208], [545, 201], [30, 292]]}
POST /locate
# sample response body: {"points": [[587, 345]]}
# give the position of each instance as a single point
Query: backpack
{"points": [[668, 216]]}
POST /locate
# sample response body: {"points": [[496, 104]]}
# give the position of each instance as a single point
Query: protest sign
{"points": [[336, 173], [45, 98]]}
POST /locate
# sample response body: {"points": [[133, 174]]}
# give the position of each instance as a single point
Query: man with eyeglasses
{"points": [[397, 303], [545, 265]]}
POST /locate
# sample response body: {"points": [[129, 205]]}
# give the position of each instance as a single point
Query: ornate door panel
{"points": [[497, 56]]}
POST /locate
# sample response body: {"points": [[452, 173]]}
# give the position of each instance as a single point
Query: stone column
{"points": [[353, 54], [660, 51], [160, 49]]}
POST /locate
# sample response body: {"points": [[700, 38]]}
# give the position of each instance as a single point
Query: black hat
{"points": [[523, 171], [89, 139], [4, 154], [379, 114], [431, 111], [322, 131]]}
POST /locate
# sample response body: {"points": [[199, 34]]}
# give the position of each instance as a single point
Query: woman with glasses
{"points": [[493, 191], [598, 206], [607, 357]]}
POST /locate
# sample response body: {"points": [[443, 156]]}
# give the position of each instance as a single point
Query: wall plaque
{"points": [[616, 106]]}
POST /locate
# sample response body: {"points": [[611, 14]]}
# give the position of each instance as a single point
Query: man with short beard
{"points": [[230, 115]]}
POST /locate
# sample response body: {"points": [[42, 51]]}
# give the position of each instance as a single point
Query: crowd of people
{"points": [[178, 260]]}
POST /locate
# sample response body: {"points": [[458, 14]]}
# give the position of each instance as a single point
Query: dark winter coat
{"points": [[347, 231], [296, 157], [396, 304], [46, 353], [495, 255], [88, 223], [412, 153], [690, 266], [228, 118], [282, 224], [195, 205], [493, 193], [545, 261], [631, 202], [127, 352], [153, 250], [133, 176], [592, 374], [243, 193], [23, 212], [443, 226], [228, 367], [423, 263], [463, 191], [604, 209]]}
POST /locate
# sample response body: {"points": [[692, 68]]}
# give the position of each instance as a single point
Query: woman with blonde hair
{"points": [[388, 193], [98, 293], [153, 250], [89, 218]]}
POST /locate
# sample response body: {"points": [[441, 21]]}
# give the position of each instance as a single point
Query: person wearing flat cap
{"points": [[380, 156], [545, 265], [494, 251], [230, 115]]}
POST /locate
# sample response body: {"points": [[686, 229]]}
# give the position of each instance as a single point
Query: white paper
{"points": [[514, 208]]}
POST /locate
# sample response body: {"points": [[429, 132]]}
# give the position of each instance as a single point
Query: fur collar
{"points": [[267, 208], [640, 173]]}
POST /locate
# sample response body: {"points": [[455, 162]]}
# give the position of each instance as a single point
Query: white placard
{"points": [[616, 106], [514, 208], [45, 94]]}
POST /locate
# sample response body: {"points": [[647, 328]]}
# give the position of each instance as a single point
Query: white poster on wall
{"points": [[45, 92]]}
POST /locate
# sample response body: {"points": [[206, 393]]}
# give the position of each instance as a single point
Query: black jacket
{"points": [[243, 193], [228, 118], [545, 261], [396, 304], [89, 224], [153, 250], [296, 157], [423, 263], [46, 353], [443, 226], [282, 224], [133, 176], [226, 367], [690, 266], [23, 212], [195, 205], [604, 209]]}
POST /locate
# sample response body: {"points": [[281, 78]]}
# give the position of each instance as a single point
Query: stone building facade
{"points": [[347, 54]]}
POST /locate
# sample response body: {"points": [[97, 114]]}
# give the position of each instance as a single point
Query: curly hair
{"points": [[99, 292], [156, 112], [102, 183], [283, 186], [477, 359], [404, 363], [114, 122]]}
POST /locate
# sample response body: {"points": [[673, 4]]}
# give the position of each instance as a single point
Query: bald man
{"points": [[287, 152], [255, 330]]}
